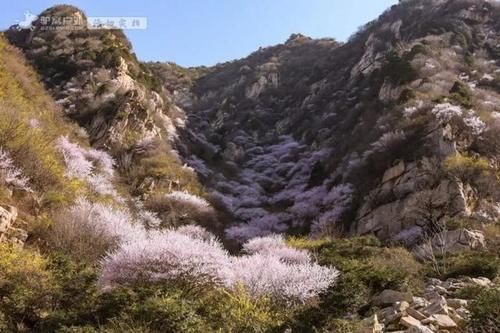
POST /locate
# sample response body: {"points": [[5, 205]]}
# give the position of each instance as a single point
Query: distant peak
{"points": [[64, 12], [296, 37]]}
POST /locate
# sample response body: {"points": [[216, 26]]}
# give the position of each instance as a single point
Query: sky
{"points": [[206, 32]]}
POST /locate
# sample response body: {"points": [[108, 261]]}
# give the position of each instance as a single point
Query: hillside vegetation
{"points": [[313, 186]]}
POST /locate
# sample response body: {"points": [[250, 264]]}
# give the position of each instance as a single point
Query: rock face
{"points": [[309, 135], [389, 297], [99, 83], [8, 216], [436, 312], [9, 233]]}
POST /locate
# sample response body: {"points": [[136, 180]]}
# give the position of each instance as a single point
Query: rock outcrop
{"points": [[308, 135], [437, 311], [8, 231]]}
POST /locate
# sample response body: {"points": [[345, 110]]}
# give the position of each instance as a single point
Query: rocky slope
{"points": [[395, 133], [315, 133], [310, 135]]}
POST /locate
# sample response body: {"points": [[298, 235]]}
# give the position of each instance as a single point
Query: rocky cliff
{"points": [[312, 134], [354, 185], [370, 136]]}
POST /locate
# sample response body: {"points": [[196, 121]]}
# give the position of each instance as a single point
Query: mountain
{"points": [[271, 135], [297, 129], [394, 134]]}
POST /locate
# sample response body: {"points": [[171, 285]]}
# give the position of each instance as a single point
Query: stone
{"points": [[409, 321], [389, 297], [458, 240], [16, 236], [456, 317], [432, 296], [401, 306], [419, 302], [428, 321], [415, 314], [463, 312], [481, 281], [394, 172], [456, 302], [393, 317], [371, 325], [419, 329], [389, 315], [409, 236], [444, 321], [440, 290], [439, 306], [8, 215]]}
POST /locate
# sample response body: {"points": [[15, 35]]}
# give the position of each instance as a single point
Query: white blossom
{"points": [[12, 175]]}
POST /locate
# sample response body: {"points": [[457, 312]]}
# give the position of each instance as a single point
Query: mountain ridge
{"points": [[313, 186], [273, 93]]}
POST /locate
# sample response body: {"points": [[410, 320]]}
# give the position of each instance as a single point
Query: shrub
{"points": [[168, 312], [474, 264], [485, 311], [466, 168], [237, 311], [179, 208], [461, 94], [341, 326], [75, 295], [10, 174], [169, 257], [275, 245], [398, 70], [367, 268], [22, 100], [25, 287], [469, 291], [86, 231], [349, 295], [166, 169], [92, 166], [190, 260], [158, 308], [268, 275]]}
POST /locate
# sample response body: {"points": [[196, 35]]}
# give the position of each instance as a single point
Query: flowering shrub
{"points": [[446, 113], [475, 124], [337, 201], [308, 203], [192, 255], [195, 232], [178, 208], [88, 230], [10, 174], [106, 219], [274, 245], [188, 199], [149, 219], [91, 165], [77, 165], [268, 275], [166, 256], [264, 225], [388, 140]]}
